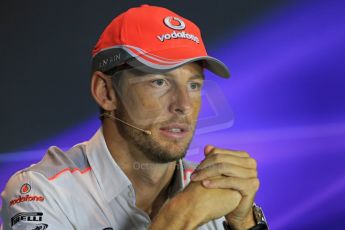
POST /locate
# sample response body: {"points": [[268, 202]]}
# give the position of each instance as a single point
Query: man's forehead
{"points": [[192, 75], [188, 71]]}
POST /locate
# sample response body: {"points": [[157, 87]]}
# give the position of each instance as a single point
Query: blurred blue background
{"points": [[284, 103]]}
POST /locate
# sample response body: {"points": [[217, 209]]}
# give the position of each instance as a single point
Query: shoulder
{"points": [[56, 161], [39, 177], [45, 187]]}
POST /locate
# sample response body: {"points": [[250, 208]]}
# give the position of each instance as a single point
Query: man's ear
{"points": [[103, 91]]}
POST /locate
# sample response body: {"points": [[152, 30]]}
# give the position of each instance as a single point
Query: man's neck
{"points": [[150, 180]]}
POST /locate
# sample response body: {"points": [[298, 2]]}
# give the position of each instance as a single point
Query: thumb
{"points": [[208, 149]]}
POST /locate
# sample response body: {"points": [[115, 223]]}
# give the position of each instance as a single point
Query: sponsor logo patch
{"points": [[178, 35], [168, 22], [26, 188], [26, 216], [41, 227], [176, 24], [26, 198], [112, 59]]}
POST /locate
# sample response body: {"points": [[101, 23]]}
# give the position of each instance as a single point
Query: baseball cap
{"points": [[152, 38]]}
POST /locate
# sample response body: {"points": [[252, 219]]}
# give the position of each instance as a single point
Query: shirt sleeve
{"points": [[30, 202]]}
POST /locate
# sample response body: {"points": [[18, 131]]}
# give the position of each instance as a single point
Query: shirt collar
{"points": [[113, 180], [109, 175]]}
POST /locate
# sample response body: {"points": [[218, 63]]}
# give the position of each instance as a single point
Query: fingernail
{"points": [[206, 183], [193, 176]]}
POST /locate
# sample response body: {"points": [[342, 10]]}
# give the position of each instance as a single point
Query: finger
{"points": [[208, 149], [237, 153], [245, 162], [224, 169], [247, 187]]}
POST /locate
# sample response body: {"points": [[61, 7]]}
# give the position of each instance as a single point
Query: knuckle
{"points": [[255, 163], [255, 173], [252, 163], [247, 161], [230, 180], [219, 167], [255, 183], [217, 149], [244, 153], [217, 158]]}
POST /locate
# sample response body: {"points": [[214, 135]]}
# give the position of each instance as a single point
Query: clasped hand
{"points": [[234, 170]]}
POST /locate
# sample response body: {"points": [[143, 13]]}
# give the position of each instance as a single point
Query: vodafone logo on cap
{"points": [[181, 25]]}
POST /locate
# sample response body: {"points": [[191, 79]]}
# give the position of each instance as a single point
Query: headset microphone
{"points": [[147, 132]]}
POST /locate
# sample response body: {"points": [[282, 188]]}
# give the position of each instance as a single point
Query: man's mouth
{"points": [[175, 130]]}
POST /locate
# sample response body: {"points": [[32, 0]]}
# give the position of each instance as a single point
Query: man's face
{"points": [[167, 104]]}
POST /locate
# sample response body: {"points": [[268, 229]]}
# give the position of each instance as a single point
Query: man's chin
{"points": [[173, 152], [166, 158], [175, 155], [167, 151]]}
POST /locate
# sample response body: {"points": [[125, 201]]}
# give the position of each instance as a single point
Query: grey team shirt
{"points": [[82, 188]]}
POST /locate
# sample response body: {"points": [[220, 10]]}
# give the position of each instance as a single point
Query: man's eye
{"points": [[159, 83], [194, 86]]}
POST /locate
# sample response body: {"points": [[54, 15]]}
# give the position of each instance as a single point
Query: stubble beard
{"points": [[167, 151]]}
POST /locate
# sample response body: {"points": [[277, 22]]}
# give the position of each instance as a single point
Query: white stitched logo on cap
{"points": [[179, 35], [174, 34], [167, 22]]}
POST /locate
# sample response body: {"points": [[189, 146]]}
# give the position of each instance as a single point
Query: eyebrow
{"points": [[195, 76], [198, 76]]}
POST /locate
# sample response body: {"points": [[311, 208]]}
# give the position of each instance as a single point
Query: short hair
{"points": [[116, 74]]}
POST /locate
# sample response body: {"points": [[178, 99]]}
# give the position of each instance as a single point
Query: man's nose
{"points": [[181, 103]]}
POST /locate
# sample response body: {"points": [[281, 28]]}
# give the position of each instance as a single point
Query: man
{"points": [[147, 76]]}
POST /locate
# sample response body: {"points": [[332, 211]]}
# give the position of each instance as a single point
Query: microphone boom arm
{"points": [[107, 115]]}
